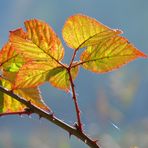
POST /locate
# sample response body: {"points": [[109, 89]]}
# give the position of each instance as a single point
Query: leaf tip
{"points": [[141, 54]]}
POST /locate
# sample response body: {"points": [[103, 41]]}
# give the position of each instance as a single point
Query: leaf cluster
{"points": [[33, 57]]}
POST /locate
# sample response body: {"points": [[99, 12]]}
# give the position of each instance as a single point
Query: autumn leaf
{"points": [[61, 79], [10, 60], [108, 55], [35, 73], [8, 104], [41, 42], [105, 51], [46, 51], [80, 31]]}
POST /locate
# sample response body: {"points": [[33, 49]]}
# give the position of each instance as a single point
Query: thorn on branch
{"points": [[20, 114], [96, 141], [52, 114], [70, 134], [77, 126], [40, 117], [29, 102], [28, 111], [11, 91]]}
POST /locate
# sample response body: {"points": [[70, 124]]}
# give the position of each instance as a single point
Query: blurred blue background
{"points": [[118, 98]]}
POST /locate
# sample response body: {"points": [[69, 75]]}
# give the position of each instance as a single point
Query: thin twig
{"points": [[79, 123], [50, 117], [73, 57]]}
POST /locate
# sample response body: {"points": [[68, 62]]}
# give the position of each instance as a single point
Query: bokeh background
{"points": [[114, 106]]}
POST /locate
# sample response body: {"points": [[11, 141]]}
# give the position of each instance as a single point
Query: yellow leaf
{"points": [[60, 77], [8, 104], [35, 73], [108, 55], [80, 31]]}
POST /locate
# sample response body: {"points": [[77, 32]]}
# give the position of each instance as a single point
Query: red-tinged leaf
{"points": [[80, 31], [10, 60], [35, 73], [8, 104], [109, 55], [45, 49], [19, 32], [41, 42]]}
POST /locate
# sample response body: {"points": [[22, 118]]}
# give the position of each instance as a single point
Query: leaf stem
{"points": [[73, 57], [50, 117], [78, 63]]}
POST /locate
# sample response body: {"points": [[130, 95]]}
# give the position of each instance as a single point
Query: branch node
{"points": [[52, 115], [28, 111], [77, 127], [96, 141]]}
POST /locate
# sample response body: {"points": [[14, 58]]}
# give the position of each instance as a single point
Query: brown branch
{"points": [[50, 117]]}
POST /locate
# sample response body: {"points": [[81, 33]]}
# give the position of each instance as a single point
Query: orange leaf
{"points": [[45, 49], [108, 55], [41, 42], [80, 31], [10, 60]]}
